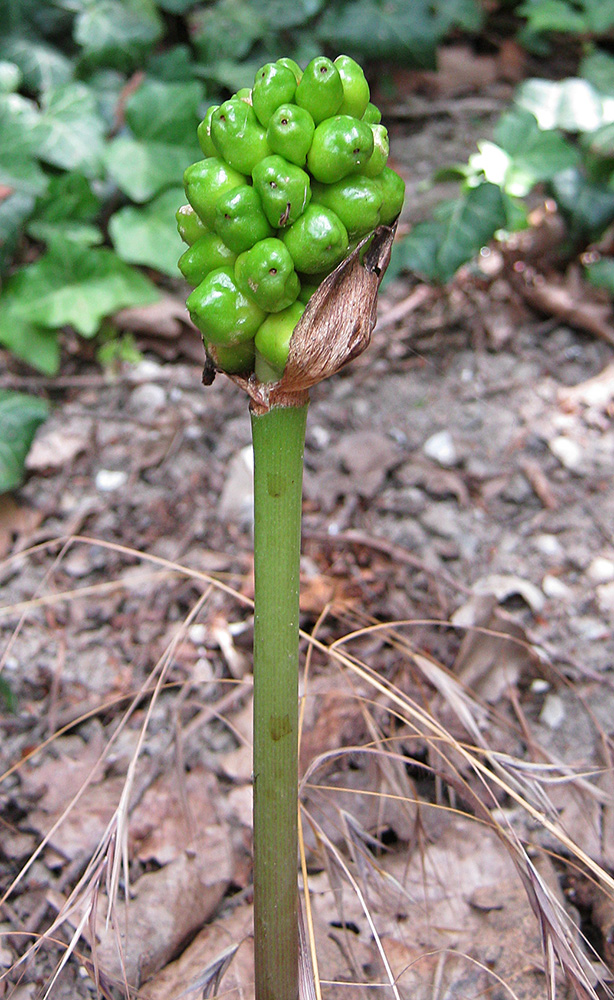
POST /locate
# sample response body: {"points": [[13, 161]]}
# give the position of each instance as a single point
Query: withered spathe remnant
{"points": [[334, 329]]}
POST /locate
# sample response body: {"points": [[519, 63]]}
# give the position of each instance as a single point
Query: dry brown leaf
{"points": [[16, 520], [166, 907], [169, 817]]}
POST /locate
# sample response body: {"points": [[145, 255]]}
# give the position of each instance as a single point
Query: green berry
{"points": [[204, 134], [356, 200], [273, 85], [317, 241], [320, 91], [381, 148], [393, 194], [237, 359], [290, 133], [372, 115], [291, 64], [240, 219], [223, 314], [266, 273], [238, 135], [272, 340], [284, 188], [341, 145], [189, 226], [205, 182], [355, 87], [208, 253]]}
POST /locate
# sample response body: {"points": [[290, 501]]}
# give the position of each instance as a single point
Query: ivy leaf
{"points": [[175, 65], [229, 27], [19, 121], [13, 212], [436, 249], [164, 112], [117, 33], [69, 287], [43, 66], [143, 169], [149, 235], [70, 132], [395, 30], [280, 15], [32, 344], [572, 105], [587, 206], [69, 207], [20, 416]]}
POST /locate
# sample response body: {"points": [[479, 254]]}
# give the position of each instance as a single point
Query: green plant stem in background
{"points": [[278, 438]]}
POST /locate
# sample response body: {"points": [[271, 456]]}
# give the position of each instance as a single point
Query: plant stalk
{"points": [[278, 440]]}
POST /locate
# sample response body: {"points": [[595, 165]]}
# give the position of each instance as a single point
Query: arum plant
{"points": [[290, 224]]}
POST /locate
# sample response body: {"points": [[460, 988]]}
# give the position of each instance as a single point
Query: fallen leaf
{"points": [[169, 817]]}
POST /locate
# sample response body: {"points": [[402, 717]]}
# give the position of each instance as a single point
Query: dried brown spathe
{"points": [[335, 327]]}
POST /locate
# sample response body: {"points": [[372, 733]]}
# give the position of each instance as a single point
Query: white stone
{"points": [[568, 452], [553, 711], [605, 597], [540, 685], [601, 570], [441, 448], [549, 545], [555, 588], [237, 499], [147, 400], [108, 480]]}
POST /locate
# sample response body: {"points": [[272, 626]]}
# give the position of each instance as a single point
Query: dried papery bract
{"points": [[334, 329]]}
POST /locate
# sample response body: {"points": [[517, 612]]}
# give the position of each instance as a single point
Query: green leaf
{"points": [[117, 33], [14, 210], [572, 105], [165, 112], [19, 120], [228, 28], [70, 286], [43, 67], [588, 207], [149, 235], [280, 15], [598, 68], [20, 416], [176, 6], [437, 248], [11, 77], [535, 155], [601, 274], [32, 344], [395, 30], [142, 169], [70, 133], [601, 142], [68, 207], [175, 65], [553, 15]]}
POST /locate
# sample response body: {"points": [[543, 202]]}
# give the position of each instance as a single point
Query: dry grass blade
{"points": [[208, 983]]}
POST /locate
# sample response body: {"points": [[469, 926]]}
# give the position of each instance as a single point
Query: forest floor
{"points": [[458, 497]]}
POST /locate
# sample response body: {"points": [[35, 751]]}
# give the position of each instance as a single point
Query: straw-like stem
{"points": [[278, 438]]}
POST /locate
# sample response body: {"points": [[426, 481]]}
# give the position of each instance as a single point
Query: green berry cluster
{"points": [[294, 176]]}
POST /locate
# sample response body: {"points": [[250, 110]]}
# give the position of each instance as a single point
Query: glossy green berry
{"points": [[266, 273], [372, 115], [291, 64], [320, 91], [341, 145], [355, 87], [381, 148], [237, 359], [356, 200], [204, 134], [317, 241], [208, 253], [189, 226], [240, 219], [307, 289], [273, 85], [290, 132], [238, 135], [205, 182], [284, 188], [272, 340], [393, 195], [222, 313], [244, 94]]}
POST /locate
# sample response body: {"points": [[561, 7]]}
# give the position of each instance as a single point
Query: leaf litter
{"points": [[457, 700]]}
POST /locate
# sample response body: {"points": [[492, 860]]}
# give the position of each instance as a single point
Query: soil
{"points": [[457, 478]]}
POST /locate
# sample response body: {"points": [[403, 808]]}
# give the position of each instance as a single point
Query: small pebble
{"points": [[553, 587], [549, 545], [568, 452], [441, 448], [540, 686], [601, 570], [605, 597], [147, 400], [553, 711], [108, 480]]}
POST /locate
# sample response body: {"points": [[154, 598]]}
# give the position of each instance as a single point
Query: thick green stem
{"points": [[278, 437]]}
